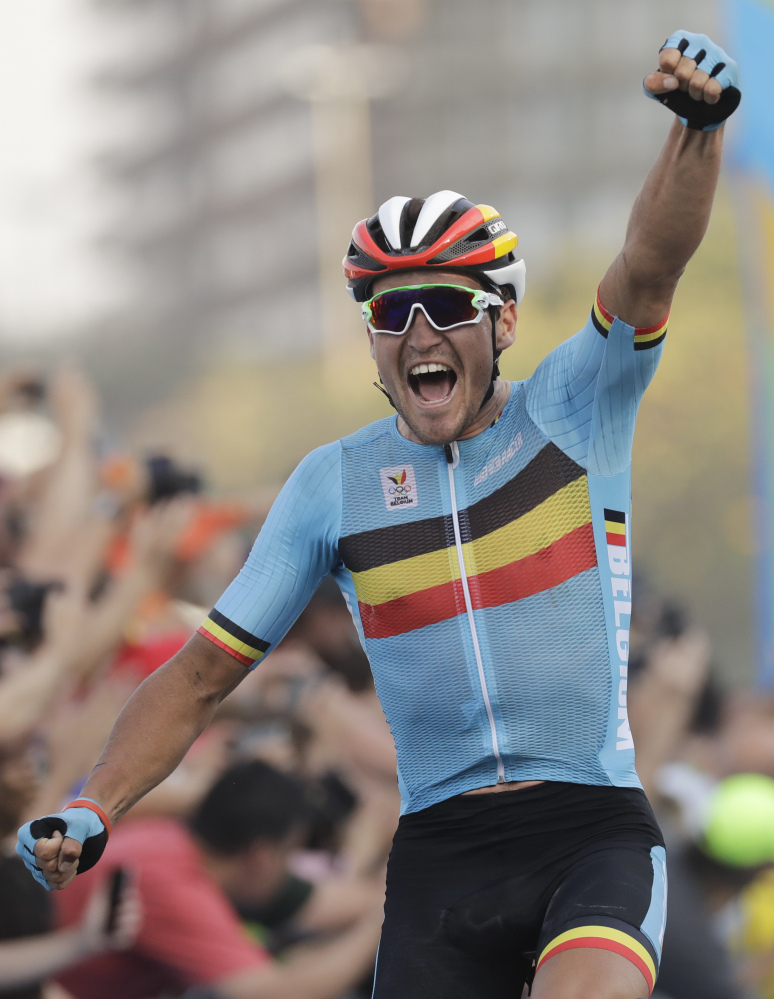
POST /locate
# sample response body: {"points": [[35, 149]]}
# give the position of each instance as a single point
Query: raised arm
{"points": [[671, 213]]}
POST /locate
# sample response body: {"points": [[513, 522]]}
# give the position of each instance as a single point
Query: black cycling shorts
{"points": [[481, 889]]}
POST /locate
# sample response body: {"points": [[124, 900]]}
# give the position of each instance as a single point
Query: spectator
{"points": [[29, 950], [728, 838], [238, 846]]}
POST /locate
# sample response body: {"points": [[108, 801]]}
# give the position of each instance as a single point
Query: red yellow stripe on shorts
{"points": [[645, 337], [604, 938], [244, 647]]}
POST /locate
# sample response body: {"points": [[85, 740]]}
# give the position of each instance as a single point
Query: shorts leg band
{"points": [[603, 938]]}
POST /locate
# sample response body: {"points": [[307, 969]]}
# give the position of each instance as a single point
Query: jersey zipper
{"points": [[452, 452]]}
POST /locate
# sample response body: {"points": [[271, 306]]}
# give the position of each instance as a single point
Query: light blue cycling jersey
{"points": [[489, 580]]}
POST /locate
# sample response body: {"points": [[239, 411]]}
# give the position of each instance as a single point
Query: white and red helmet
{"points": [[444, 231]]}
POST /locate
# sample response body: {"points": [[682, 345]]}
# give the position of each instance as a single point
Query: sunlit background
{"points": [[179, 178]]}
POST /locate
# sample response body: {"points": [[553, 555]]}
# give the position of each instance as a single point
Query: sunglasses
{"points": [[445, 306]]}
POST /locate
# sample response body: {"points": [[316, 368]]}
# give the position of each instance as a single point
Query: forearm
{"points": [[109, 616], [667, 224], [32, 959], [159, 724], [64, 509], [26, 695], [322, 972], [663, 699], [659, 715], [346, 721]]}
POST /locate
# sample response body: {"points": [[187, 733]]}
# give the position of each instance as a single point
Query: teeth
{"points": [[427, 369]]}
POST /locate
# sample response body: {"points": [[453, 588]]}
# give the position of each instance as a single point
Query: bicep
{"points": [[636, 303]]}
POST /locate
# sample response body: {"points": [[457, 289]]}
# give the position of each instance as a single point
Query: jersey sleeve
{"points": [[585, 394], [297, 547]]}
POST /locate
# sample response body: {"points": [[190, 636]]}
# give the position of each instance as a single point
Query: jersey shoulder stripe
{"points": [[243, 646], [645, 337]]}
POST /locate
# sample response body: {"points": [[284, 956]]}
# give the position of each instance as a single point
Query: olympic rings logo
{"points": [[399, 490]]}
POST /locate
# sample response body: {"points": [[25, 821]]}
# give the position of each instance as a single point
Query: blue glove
{"points": [[713, 60], [80, 823]]}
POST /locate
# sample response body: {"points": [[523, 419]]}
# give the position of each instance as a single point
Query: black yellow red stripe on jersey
{"points": [[530, 535], [645, 337]]}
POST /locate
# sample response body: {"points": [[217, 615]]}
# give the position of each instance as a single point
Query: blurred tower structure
{"points": [[225, 155], [214, 169]]}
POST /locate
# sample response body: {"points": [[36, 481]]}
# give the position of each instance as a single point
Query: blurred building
{"points": [[251, 135]]}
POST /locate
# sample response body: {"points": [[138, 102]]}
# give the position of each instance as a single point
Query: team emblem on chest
{"points": [[399, 485]]}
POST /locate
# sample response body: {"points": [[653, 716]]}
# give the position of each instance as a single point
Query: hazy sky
{"points": [[50, 204]]}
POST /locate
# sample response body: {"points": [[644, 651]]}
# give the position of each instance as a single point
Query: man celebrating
{"points": [[482, 539]]}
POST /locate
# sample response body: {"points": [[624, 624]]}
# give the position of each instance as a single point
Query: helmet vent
{"points": [[457, 249], [374, 227], [408, 221], [358, 258], [479, 236], [446, 220]]}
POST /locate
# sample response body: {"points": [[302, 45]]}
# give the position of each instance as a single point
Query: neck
{"points": [[484, 418], [490, 412]]}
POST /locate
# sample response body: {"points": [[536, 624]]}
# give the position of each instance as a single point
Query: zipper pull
{"points": [[448, 452]]}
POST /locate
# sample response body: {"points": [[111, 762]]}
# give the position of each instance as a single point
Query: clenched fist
{"points": [[696, 79]]}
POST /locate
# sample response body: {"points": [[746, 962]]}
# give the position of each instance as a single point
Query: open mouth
{"points": [[432, 383]]}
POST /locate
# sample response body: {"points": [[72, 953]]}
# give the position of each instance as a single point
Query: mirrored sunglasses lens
{"points": [[446, 307], [449, 306], [390, 311]]}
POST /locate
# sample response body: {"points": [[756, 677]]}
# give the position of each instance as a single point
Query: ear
{"points": [[506, 327], [371, 342]]}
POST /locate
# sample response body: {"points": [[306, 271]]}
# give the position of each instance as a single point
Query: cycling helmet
{"points": [[445, 231]]}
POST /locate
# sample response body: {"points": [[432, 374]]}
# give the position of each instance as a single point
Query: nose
{"points": [[421, 335]]}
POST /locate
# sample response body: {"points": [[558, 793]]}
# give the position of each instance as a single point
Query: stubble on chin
{"points": [[436, 437]]}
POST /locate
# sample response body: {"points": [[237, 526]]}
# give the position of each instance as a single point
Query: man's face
{"points": [[438, 405]]}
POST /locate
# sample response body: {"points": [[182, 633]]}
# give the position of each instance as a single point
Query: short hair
{"points": [[250, 801]]}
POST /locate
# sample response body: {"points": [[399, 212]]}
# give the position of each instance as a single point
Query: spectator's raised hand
{"points": [[157, 530], [113, 916], [681, 664], [74, 403]]}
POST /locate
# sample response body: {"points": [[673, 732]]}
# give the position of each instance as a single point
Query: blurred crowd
{"points": [[256, 870]]}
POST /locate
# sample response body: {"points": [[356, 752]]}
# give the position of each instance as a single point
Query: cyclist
{"points": [[482, 539]]}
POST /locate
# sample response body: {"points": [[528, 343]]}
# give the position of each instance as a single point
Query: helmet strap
{"points": [[493, 317], [384, 392]]}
